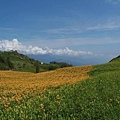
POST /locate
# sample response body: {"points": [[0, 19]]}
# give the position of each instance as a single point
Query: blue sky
{"points": [[80, 25]]}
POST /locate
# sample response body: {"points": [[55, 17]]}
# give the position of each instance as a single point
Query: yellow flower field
{"points": [[17, 85]]}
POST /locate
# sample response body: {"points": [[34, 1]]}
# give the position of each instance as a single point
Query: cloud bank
{"points": [[7, 45]]}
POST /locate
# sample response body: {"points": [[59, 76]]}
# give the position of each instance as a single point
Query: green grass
{"points": [[25, 64], [97, 98]]}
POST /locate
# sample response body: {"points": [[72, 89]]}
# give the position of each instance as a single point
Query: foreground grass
{"points": [[97, 98]]}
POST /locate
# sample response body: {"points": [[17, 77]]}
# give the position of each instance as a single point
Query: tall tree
{"points": [[37, 67]]}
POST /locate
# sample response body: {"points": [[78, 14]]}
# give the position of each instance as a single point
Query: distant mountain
{"points": [[73, 60], [12, 60]]}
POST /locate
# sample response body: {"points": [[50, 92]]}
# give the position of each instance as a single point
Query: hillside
{"points": [[74, 93], [116, 59], [20, 62]]}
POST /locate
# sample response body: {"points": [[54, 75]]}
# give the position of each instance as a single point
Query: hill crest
{"points": [[19, 62], [116, 59]]}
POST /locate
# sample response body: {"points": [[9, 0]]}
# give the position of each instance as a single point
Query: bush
{"points": [[52, 67]]}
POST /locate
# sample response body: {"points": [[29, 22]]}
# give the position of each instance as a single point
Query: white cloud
{"points": [[108, 26], [64, 31], [113, 1], [6, 45]]}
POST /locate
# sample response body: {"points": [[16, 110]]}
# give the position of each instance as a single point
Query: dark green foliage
{"points": [[10, 64], [24, 64], [52, 67], [3, 66], [2, 60], [20, 62], [6, 64], [61, 64], [37, 67], [64, 64]]}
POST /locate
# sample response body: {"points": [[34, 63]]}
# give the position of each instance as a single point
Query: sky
{"points": [[61, 27]]}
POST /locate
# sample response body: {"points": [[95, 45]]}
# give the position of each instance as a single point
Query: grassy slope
{"points": [[25, 64], [97, 98], [21, 62]]}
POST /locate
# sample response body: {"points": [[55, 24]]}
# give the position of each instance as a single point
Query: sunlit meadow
{"points": [[63, 94]]}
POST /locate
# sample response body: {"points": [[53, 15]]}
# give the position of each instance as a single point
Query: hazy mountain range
{"points": [[74, 60]]}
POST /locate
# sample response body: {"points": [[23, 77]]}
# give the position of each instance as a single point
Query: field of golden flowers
{"points": [[48, 96], [17, 85]]}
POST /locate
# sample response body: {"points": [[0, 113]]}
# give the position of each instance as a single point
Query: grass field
{"points": [[61, 95]]}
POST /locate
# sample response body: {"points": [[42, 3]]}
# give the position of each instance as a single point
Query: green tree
{"points": [[64, 64], [52, 67], [10, 64], [2, 60], [37, 67]]}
